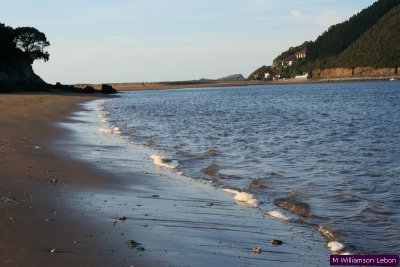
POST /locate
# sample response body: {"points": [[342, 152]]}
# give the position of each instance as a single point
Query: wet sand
{"points": [[50, 199], [35, 216]]}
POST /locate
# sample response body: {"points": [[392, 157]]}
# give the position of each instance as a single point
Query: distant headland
{"points": [[19, 48], [364, 46]]}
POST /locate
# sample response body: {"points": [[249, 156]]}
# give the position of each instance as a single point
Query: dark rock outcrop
{"points": [[108, 89], [358, 72], [18, 72]]}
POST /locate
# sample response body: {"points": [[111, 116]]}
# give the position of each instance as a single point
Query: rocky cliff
{"points": [[355, 72], [18, 72]]}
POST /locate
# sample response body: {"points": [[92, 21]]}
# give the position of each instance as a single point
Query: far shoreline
{"points": [[140, 86]]}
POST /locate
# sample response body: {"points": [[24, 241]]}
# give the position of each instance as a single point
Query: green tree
{"points": [[32, 42], [7, 46]]}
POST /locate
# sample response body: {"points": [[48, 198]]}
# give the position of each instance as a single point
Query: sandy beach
{"points": [[59, 210], [34, 218]]}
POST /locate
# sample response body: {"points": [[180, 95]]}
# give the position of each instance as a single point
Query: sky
{"points": [[104, 41]]}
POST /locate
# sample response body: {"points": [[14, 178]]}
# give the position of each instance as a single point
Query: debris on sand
{"points": [[256, 250], [53, 181], [122, 218], [53, 250], [8, 199], [135, 245], [276, 242]]}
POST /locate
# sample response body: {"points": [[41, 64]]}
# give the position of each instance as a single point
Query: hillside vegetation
{"points": [[340, 36], [234, 77], [379, 47], [370, 38]]}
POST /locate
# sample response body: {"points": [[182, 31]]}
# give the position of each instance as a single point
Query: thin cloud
{"points": [[324, 19]]}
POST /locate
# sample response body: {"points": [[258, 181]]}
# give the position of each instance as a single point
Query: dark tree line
{"points": [[23, 42]]}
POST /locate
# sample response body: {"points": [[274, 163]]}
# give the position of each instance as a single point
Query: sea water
{"points": [[333, 147]]}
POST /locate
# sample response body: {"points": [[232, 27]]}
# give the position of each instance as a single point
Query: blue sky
{"points": [[97, 41]]}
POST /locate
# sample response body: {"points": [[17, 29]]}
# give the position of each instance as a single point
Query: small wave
{"points": [[151, 142], [243, 199], [377, 212], [259, 184], [278, 215], [334, 246], [211, 170], [274, 175], [182, 153], [297, 207], [163, 162], [211, 153], [326, 232]]}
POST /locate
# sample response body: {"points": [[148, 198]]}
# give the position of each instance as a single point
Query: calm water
{"points": [[333, 146]]}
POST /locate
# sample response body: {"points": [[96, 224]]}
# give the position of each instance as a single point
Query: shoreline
{"points": [[168, 206], [74, 215], [140, 86], [37, 186]]}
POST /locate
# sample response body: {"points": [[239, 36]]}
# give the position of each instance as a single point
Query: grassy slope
{"points": [[378, 47]]}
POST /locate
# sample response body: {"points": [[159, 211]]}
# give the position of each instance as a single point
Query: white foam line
{"points": [[278, 215], [243, 199], [335, 246], [115, 130], [105, 130], [162, 161], [231, 191]]}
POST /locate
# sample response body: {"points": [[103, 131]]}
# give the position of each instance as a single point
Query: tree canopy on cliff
{"points": [[23, 43], [32, 42]]}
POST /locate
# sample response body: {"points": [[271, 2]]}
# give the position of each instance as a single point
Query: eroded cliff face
{"points": [[355, 72], [16, 72]]}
